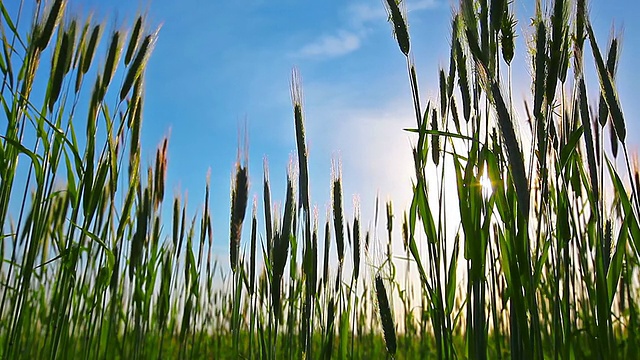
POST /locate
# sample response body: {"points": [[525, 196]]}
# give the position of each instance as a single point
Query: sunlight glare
{"points": [[485, 182]]}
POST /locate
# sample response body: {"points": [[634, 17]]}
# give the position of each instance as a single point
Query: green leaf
{"points": [[540, 262], [630, 217], [413, 248], [441, 133], [95, 238], [570, 147], [452, 282], [615, 267], [7, 18], [35, 159], [426, 216]]}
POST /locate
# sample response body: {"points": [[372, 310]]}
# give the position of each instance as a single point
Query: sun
{"points": [[485, 183]]}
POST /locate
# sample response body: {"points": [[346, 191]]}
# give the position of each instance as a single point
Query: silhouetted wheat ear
{"points": [[298, 113], [239, 198], [386, 319], [338, 214], [356, 239], [399, 25]]}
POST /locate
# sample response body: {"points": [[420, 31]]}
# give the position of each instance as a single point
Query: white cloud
{"points": [[423, 5], [375, 151], [360, 15], [332, 45]]}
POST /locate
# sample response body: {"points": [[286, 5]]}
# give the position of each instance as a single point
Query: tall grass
{"points": [[541, 265], [546, 253]]}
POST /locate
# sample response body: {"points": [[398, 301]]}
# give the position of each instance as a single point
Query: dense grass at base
{"points": [[544, 264], [218, 346]]}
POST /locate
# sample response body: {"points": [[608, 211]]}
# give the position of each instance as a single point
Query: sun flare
{"points": [[485, 182]]}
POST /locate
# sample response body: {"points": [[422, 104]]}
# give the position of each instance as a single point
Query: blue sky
{"points": [[218, 63]]}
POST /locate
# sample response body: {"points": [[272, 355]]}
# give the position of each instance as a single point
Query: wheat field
{"points": [[99, 264]]}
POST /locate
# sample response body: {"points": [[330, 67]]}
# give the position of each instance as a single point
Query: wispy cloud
{"points": [[423, 5], [360, 17], [364, 13], [332, 45]]}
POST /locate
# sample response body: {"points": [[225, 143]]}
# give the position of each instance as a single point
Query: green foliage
{"points": [[542, 264], [541, 240]]}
